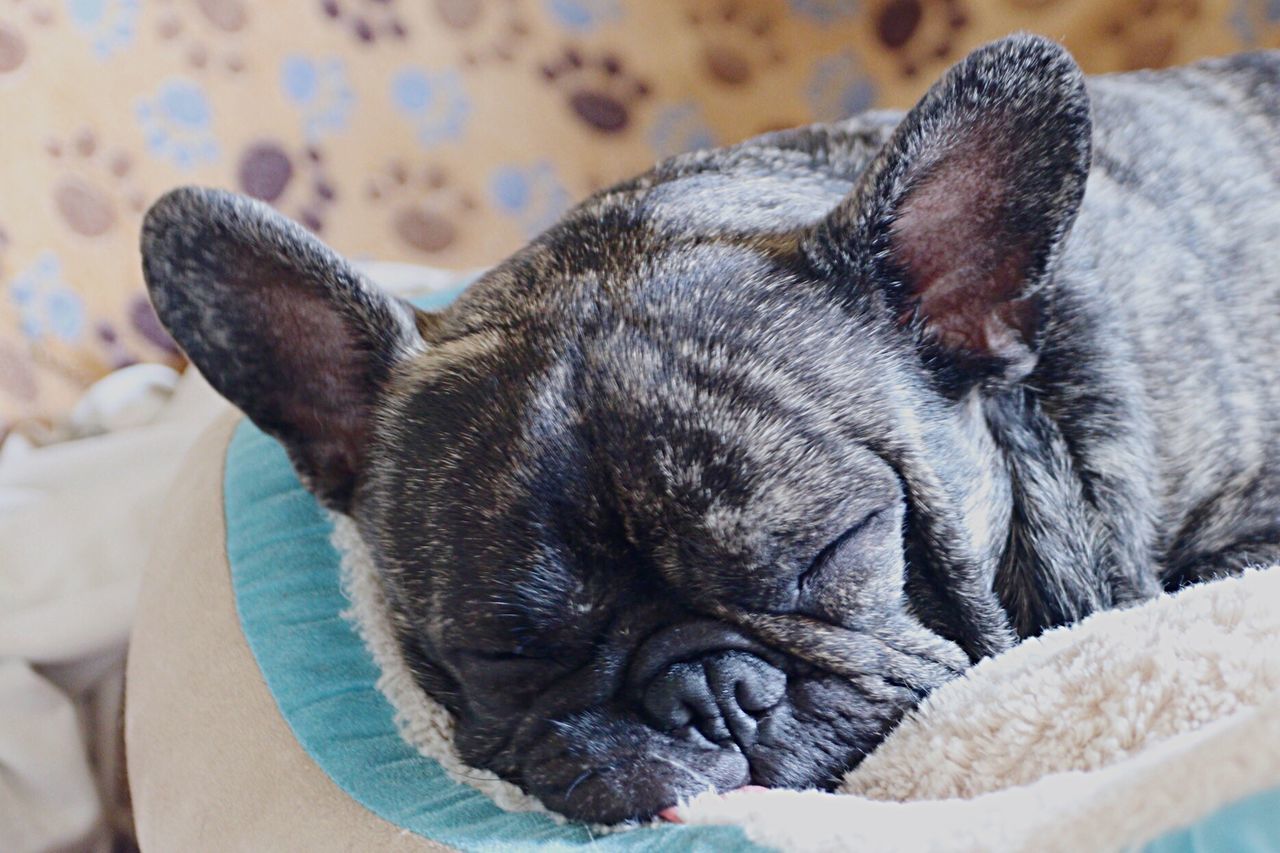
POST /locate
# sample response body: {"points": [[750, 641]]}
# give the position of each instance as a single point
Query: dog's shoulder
{"points": [[1253, 77], [1201, 135]]}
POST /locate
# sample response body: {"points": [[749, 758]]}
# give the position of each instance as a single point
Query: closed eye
{"points": [[489, 656], [533, 663], [486, 654], [510, 673], [827, 554]]}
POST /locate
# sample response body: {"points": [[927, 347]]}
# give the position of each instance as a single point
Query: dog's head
{"points": [[692, 491]]}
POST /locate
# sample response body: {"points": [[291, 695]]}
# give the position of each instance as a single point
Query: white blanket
{"points": [[76, 520]]}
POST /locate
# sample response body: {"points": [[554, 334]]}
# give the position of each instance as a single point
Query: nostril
{"points": [[720, 696], [680, 697], [760, 687], [745, 680], [745, 687]]}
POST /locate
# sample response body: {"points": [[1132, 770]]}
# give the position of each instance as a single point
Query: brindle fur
{"points": [[720, 409]]}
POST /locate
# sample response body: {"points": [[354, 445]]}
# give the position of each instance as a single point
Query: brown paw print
{"points": [[39, 12], [295, 183], [96, 186], [368, 20], [487, 30], [193, 33], [13, 45], [115, 353], [142, 326], [425, 206], [738, 41], [920, 32], [600, 91], [13, 49], [1145, 34]]}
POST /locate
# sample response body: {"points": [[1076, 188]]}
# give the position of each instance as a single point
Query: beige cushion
{"points": [[212, 765]]}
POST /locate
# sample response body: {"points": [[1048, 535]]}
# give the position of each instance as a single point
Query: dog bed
{"points": [[267, 709]]}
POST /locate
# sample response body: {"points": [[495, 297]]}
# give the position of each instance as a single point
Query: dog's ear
{"points": [[962, 213], [279, 325]]}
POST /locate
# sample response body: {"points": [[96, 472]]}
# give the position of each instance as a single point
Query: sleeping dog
{"points": [[717, 478]]}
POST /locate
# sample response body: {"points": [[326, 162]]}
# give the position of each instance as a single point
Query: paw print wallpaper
{"points": [[444, 132]]}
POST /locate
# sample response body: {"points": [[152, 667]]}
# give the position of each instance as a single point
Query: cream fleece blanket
{"points": [[1096, 737]]}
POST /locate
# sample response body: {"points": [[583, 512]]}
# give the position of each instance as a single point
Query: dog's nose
{"points": [[721, 696]]}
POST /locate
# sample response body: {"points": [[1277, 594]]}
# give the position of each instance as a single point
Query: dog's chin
{"points": [[607, 766]]}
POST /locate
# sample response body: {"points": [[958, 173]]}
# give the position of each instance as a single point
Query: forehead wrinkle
{"points": [[747, 438]]}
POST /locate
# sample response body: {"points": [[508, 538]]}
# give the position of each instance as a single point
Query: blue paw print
{"points": [[838, 88], [178, 124], [679, 128], [1248, 16], [321, 92], [109, 24], [46, 305], [532, 195], [435, 104], [825, 11], [584, 15]]}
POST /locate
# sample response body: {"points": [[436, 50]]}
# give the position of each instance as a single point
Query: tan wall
{"points": [[435, 131]]}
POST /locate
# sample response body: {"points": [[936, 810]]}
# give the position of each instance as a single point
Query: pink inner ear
{"points": [[961, 255], [323, 391]]}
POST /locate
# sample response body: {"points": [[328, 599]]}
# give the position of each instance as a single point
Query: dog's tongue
{"points": [[671, 814]]}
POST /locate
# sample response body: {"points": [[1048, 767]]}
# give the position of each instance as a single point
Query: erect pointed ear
{"points": [[961, 215], [279, 325]]}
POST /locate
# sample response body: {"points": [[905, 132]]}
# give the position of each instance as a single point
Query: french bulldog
{"points": [[717, 478]]}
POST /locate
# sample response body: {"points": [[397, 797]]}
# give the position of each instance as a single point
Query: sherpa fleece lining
{"points": [[1099, 736]]}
